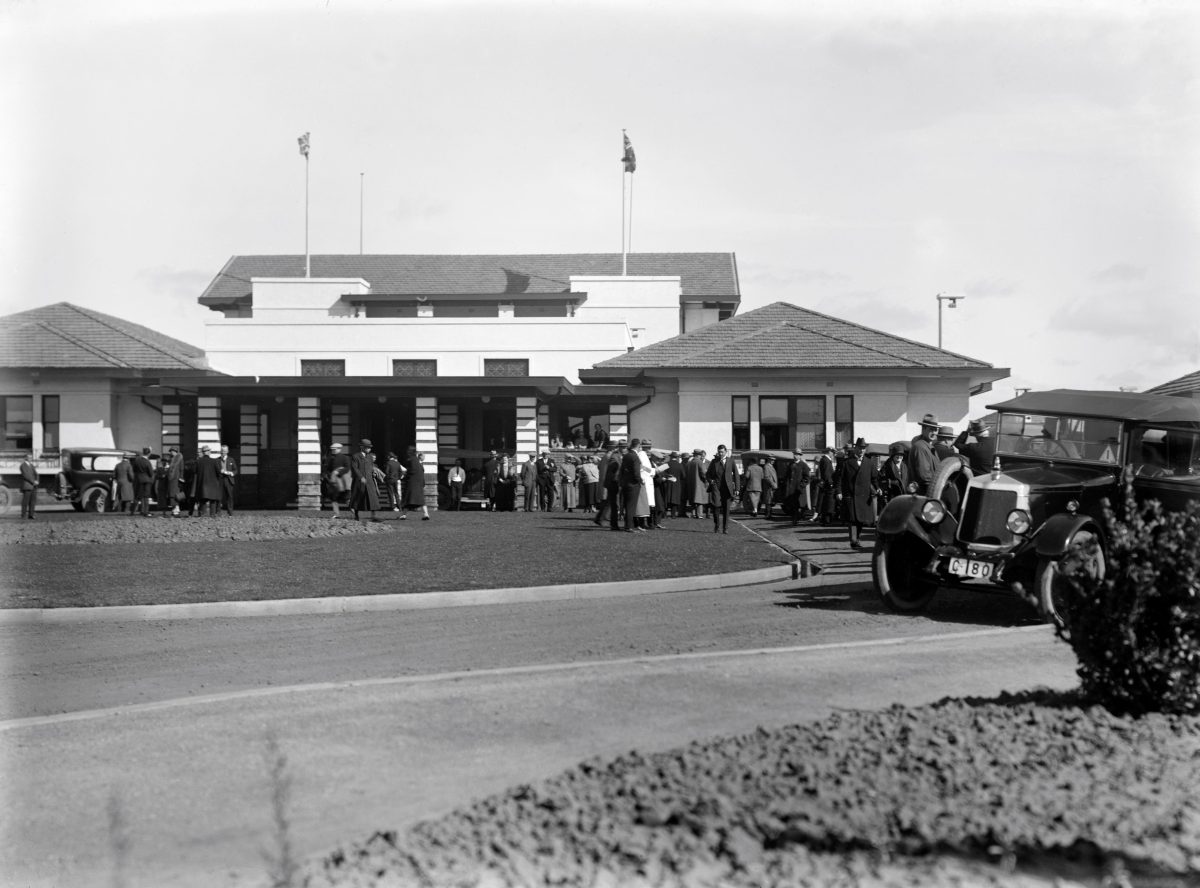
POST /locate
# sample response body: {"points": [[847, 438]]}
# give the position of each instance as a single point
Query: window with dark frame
{"points": [[740, 422], [843, 420], [16, 419], [773, 426], [809, 422], [322, 367], [50, 424]]}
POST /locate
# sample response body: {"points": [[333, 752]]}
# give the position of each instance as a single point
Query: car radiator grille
{"points": [[983, 517]]}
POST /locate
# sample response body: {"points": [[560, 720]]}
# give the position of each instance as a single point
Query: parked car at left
{"points": [[84, 478]]}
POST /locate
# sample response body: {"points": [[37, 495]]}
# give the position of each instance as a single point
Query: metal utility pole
{"points": [[953, 300]]}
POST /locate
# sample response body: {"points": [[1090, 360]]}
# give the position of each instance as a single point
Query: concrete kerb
{"points": [[394, 602]]}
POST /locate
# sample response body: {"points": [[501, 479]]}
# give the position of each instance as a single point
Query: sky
{"points": [[1039, 160]]}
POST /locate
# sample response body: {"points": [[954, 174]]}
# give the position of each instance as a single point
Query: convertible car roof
{"points": [[1130, 406]]}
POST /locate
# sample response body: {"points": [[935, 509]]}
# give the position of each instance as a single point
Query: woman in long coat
{"points": [[415, 497], [697, 482], [858, 485], [123, 484], [505, 487], [568, 492]]}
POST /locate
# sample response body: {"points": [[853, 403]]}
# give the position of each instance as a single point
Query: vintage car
{"points": [[1059, 456], [86, 477]]}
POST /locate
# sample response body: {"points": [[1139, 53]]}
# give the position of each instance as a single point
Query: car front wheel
{"points": [[1054, 589], [896, 568]]}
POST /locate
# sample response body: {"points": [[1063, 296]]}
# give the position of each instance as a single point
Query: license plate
{"points": [[972, 570]]}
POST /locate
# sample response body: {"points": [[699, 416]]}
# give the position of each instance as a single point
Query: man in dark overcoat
{"points": [[723, 476], [676, 495], [168, 476], [797, 498], [364, 495], [697, 482], [978, 446], [29, 487], [529, 477], [206, 484], [859, 484], [229, 470], [922, 461], [610, 483], [547, 481], [629, 477], [826, 495], [143, 483], [490, 468]]}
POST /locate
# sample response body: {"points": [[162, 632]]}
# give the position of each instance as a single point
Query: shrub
{"points": [[1136, 631]]}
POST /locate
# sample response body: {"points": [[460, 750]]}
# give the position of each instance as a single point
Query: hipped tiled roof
{"points": [[1184, 385], [781, 335], [68, 336], [703, 275]]}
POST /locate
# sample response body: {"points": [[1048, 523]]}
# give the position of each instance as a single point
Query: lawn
{"points": [[69, 560]]}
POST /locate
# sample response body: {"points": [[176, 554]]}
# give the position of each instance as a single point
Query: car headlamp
{"points": [[1018, 522], [933, 512], [1073, 506]]}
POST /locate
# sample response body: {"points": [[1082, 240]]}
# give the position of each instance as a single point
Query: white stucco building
{"points": [[459, 355]]}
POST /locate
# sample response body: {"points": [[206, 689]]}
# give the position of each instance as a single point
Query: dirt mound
{"points": [[1015, 791], [110, 529]]}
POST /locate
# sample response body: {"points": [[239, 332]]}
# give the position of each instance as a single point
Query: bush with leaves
{"points": [[1136, 631]]}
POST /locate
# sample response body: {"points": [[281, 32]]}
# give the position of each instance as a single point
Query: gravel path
{"points": [[1031, 790], [116, 529]]}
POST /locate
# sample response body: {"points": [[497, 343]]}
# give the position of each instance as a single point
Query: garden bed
{"points": [[1035, 789]]}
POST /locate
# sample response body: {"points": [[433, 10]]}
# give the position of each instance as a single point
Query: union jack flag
{"points": [[629, 159], [303, 140]]}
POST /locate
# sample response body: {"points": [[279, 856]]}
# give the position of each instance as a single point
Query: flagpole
{"points": [[307, 258], [630, 236], [624, 270], [360, 212]]}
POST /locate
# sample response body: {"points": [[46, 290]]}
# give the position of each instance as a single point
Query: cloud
{"points": [[990, 288], [1120, 273], [174, 282], [872, 308]]}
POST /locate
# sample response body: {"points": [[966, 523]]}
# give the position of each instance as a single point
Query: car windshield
{"points": [[1084, 438], [1165, 453]]}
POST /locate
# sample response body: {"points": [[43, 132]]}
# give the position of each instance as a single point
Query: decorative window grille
{"points": [[407, 367], [322, 367], [505, 366]]}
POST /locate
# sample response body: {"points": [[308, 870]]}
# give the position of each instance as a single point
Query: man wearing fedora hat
{"points": [[207, 483], [978, 446], [894, 474], [364, 494], [922, 461], [826, 499], [796, 487], [859, 484], [943, 447]]}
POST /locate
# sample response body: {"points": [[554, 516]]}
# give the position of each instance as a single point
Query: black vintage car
{"points": [[1059, 455], [86, 477]]}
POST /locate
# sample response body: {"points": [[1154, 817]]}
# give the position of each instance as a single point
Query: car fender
{"points": [[902, 514], [1057, 532]]}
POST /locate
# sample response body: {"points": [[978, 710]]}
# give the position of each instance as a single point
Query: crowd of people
{"points": [[629, 485], [207, 485]]}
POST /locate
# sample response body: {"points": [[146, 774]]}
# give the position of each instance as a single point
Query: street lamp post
{"points": [[953, 300]]}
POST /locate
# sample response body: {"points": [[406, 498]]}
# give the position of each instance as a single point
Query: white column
{"points": [[308, 452], [208, 422], [527, 427], [543, 427], [427, 443]]}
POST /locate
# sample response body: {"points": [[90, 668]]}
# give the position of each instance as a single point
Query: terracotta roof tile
{"points": [[66, 335], [782, 335], [704, 275], [1188, 384]]}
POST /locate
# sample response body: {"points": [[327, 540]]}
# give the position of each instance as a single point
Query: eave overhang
{"points": [[374, 386]]}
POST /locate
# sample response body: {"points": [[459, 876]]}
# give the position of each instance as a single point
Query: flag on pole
{"points": [[303, 140], [630, 159]]}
